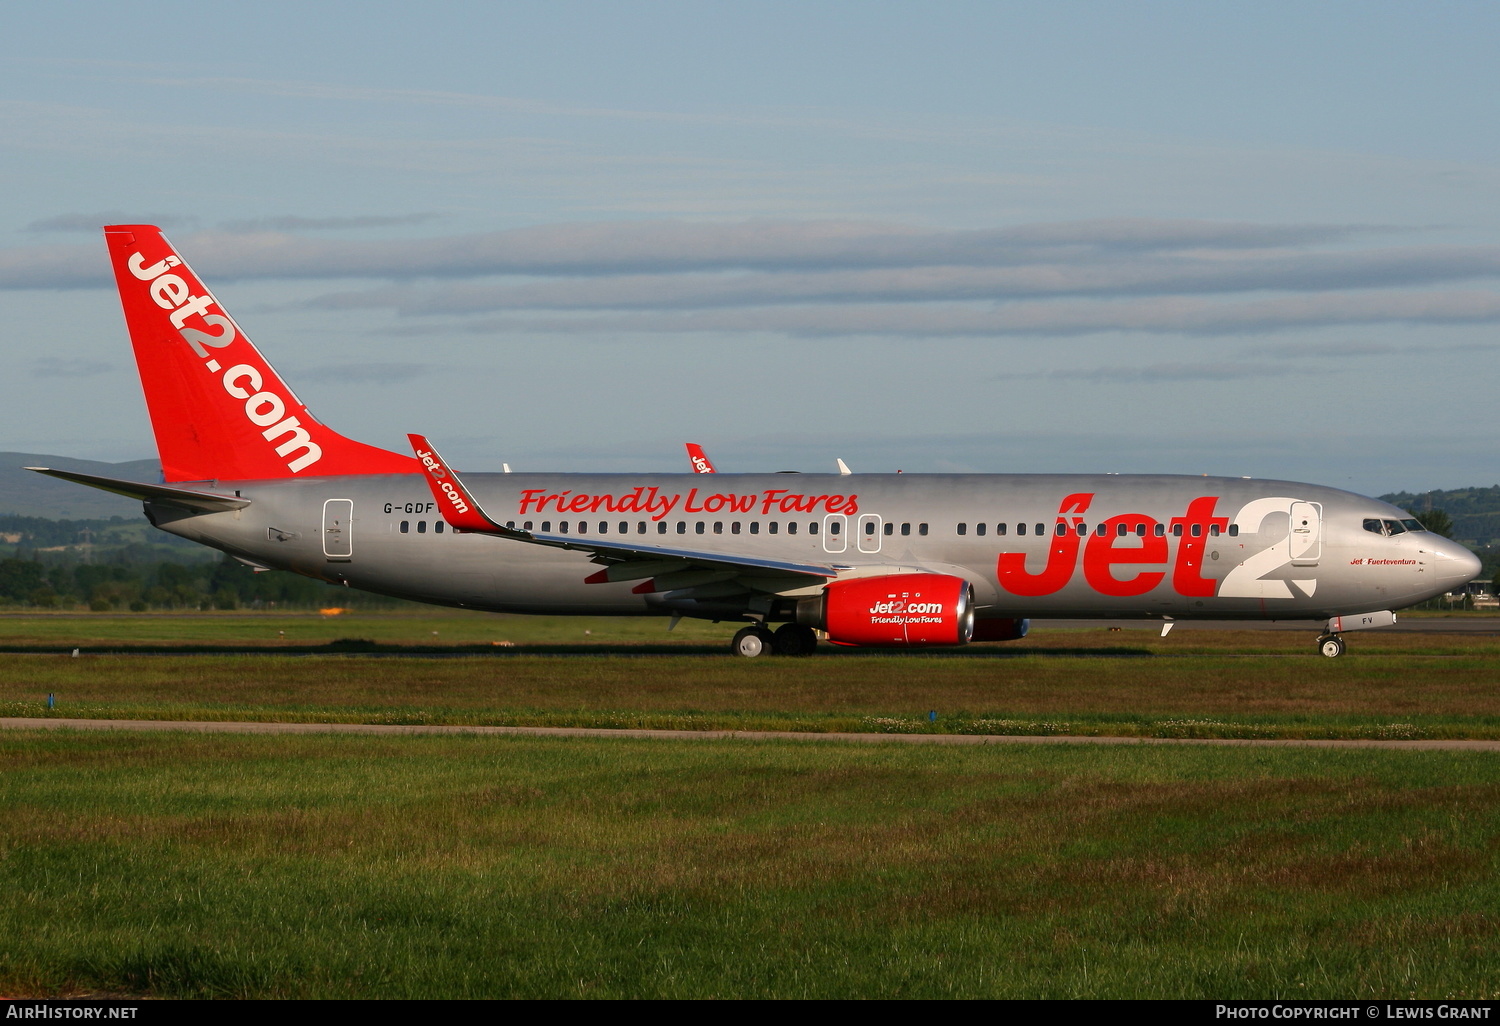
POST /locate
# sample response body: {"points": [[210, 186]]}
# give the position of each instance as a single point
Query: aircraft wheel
{"points": [[793, 639], [1331, 645], [751, 642]]}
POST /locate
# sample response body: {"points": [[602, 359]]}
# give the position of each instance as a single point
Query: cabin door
{"points": [[1306, 536], [338, 541]]}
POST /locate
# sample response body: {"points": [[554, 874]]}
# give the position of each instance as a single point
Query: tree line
{"points": [[112, 586]]}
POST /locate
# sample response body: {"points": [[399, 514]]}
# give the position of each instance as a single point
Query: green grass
{"points": [[422, 627], [521, 867], [1206, 684]]}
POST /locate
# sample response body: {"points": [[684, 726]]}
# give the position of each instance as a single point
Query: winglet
{"points": [[460, 509], [699, 459]]}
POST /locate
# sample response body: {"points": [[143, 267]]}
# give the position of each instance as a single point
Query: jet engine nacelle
{"points": [[897, 611], [1000, 630]]}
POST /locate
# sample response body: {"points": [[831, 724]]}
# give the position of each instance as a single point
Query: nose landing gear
{"points": [[1331, 645]]}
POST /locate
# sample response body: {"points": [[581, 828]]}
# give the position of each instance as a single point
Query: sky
{"points": [[1224, 238]]}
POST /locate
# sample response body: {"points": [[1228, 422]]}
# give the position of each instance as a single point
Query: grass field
{"points": [[343, 866], [1132, 683], [500, 867]]}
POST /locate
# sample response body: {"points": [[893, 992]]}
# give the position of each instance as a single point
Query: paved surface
{"points": [[245, 727], [1404, 624]]}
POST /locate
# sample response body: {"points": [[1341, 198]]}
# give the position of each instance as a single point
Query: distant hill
{"points": [[36, 495], [1475, 511]]}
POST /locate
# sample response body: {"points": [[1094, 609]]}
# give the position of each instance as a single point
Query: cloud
{"points": [[1156, 373], [56, 367], [292, 223], [92, 223], [1165, 315], [1329, 349], [362, 373], [811, 278], [668, 246], [1137, 276]]}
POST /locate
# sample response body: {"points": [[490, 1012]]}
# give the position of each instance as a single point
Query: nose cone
{"points": [[1456, 565]]}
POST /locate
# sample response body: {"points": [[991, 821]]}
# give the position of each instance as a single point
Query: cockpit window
{"points": [[1413, 525], [1394, 527], [1373, 526]]}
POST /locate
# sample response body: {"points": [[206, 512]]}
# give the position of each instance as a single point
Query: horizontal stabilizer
{"points": [[185, 498]]}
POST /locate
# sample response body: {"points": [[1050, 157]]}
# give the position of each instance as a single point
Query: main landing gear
{"points": [[1330, 645], [791, 639]]}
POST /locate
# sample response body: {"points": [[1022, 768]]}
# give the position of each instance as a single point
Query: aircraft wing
{"points": [[186, 498], [622, 560]]}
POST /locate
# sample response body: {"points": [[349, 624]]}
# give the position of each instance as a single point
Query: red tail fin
{"points": [[698, 458], [217, 407]]}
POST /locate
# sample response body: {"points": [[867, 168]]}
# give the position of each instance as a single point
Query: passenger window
{"points": [[698, 528], [1041, 528], [625, 527], [922, 530], [1197, 530], [603, 527], [1140, 530], [510, 524], [1121, 530], [437, 528], [1213, 530], [890, 529], [406, 526], [1061, 529], [682, 527], [870, 528], [1159, 530], [661, 527], [1083, 530], [546, 527], [562, 527], [421, 527], [755, 527], [773, 527], [1176, 530], [979, 529], [734, 528], [1000, 530], [583, 527], [640, 527], [905, 530], [812, 528], [1021, 529], [1234, 530], [791, 527], [833, 527], [963, 528], [526, 526]]}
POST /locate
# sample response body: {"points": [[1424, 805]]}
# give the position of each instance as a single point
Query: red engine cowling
{"points": [[901, 610], [1000, 630]]}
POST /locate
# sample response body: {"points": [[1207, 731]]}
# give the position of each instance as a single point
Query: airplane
{"points": [[699, 461], [873, 560]]}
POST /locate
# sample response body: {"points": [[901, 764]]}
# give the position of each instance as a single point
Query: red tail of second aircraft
{"points": [[218, 409], [699, 459]]}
